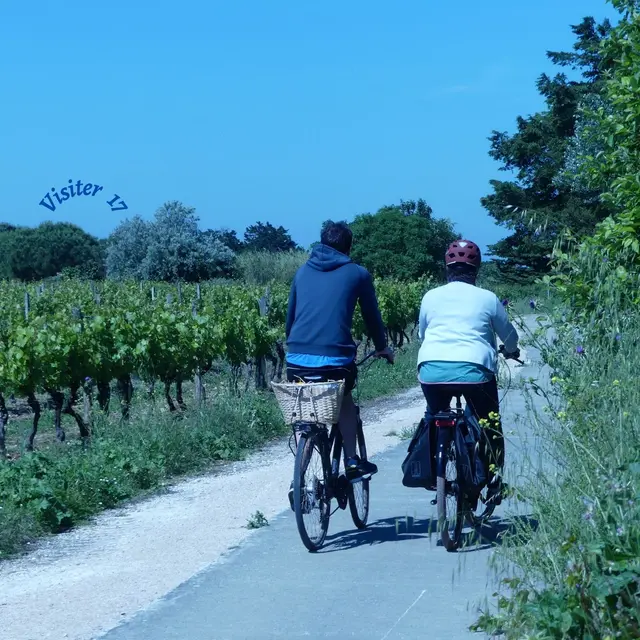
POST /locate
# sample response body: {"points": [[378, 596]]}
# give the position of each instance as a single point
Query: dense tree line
{"points": [[402, 241]]}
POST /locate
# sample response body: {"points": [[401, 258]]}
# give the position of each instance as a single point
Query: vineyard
{"points": [[72, 342]]}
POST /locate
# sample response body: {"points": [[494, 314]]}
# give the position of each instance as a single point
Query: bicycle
{"points": [[464, 506], [314, 494]]}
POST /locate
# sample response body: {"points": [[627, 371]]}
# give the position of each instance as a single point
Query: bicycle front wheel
{"points": [[450, 503], [359, 491], [311, 501], [483, 512]]}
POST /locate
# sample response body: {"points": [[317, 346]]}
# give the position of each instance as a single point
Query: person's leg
{"points": [[355, 468], [483, 401], [348, 424], [438, 396]]}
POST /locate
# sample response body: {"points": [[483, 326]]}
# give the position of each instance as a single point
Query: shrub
{"points": [[263, 267]]}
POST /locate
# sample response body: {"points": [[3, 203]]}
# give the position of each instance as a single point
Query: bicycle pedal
{"points": [[434, 502]]}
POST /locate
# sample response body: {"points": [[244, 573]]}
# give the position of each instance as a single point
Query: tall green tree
{"points": [[228, 237], [50, 249], [613, 133], [540, 204], [401, 243], [172, 247], [266, 237], [127, 250]]}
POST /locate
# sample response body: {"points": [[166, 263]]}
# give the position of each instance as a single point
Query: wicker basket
{"points": [[310, 402]]}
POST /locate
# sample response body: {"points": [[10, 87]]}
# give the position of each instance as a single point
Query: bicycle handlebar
{"points": [[508, 356], [367, 357]]}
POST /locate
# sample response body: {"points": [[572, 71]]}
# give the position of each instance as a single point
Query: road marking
{"points": [[413, 604]]}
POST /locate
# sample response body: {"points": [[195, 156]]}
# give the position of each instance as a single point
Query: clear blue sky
{"points": [[281, 111]]}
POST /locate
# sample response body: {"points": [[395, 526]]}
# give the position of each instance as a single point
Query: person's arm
{"points": [[422, 320], [371, 312], [503, 327], [291, 309]]}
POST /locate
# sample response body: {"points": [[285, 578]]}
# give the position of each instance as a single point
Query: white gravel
{"points": [[80, 584]]}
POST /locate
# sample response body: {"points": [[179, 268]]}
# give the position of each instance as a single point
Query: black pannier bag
{"points": [[419, 467], [470, 445]]}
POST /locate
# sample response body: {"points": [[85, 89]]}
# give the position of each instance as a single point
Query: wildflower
{"points": [[579, 350], [532, 304], [616, 383], [620, 531], [505, 303], [618, 337], [562, 415]]}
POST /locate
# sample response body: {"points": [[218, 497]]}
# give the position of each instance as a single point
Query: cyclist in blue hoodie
{"points": [[322, 302]]}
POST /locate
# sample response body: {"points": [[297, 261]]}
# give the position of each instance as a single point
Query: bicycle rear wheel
{"points": [[311, 502], [359, 491], [450, 503]]}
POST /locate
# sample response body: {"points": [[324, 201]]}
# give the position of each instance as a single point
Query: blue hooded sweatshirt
{"points": [[322, 302]]}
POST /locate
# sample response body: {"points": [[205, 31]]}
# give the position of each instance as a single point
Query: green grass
{"points": [[379, 379], [257, 521], [61, 486]]}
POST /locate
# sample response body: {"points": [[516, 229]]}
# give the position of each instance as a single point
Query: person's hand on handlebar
{"points": [[510, 356], [386, 354]]}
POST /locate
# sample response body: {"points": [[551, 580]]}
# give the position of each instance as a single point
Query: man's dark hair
{"points": [[461, 272], [337, 235]]}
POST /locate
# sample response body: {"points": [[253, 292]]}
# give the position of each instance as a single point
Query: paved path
{"points": [[391, 581]]}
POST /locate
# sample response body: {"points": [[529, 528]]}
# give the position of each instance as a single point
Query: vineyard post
{"points": [[87, 401], [153, 294], [27, 305], [179, 292], [199, 386], [4, 418], [261, 361]]}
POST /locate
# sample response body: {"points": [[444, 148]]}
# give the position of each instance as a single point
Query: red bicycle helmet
{"points": [[463, 251]]}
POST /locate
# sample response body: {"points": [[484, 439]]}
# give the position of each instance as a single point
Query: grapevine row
{"points": [[81, 337]]}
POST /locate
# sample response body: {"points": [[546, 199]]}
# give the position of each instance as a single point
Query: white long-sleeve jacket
{"points": [[459, 323]]}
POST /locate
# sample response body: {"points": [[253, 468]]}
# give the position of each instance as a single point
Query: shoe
{"points": [[291, 496], [356, 469]]}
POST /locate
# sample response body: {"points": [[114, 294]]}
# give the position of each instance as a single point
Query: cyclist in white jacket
{"points": [[458, 327]]}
